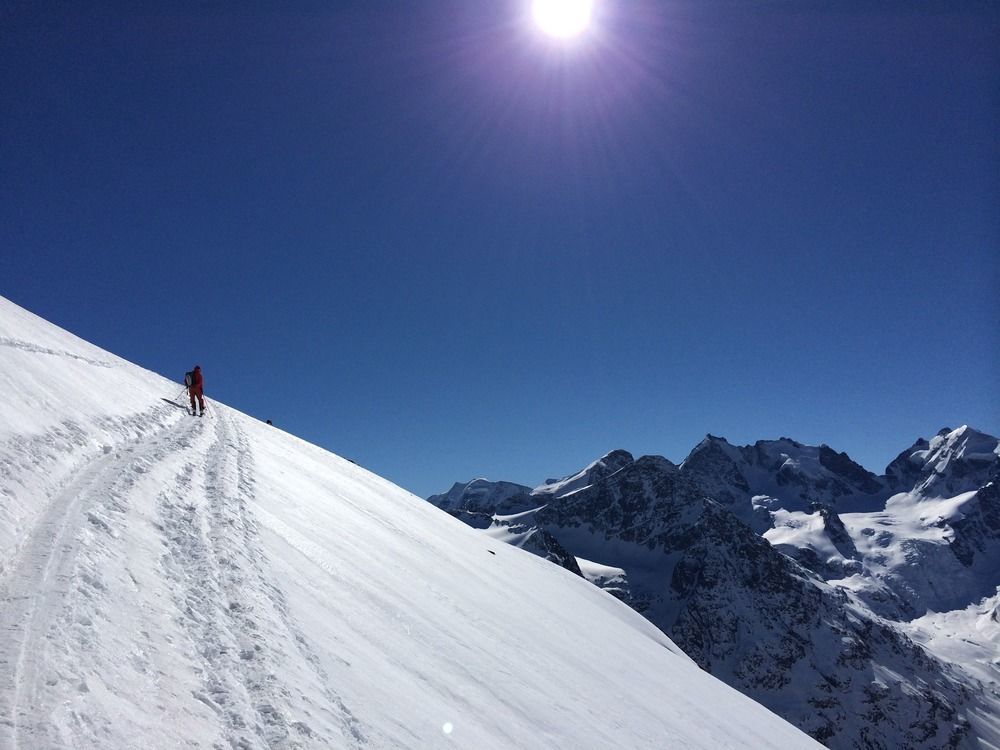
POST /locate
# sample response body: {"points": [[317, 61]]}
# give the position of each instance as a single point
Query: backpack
{"points": [[188, 378]]}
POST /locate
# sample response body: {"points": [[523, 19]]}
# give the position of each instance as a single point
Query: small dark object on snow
{"points": [[491, 552]]}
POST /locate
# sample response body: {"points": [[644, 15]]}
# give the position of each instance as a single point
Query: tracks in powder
{"points": [[33, 590], [237, 619], [190, 483]]}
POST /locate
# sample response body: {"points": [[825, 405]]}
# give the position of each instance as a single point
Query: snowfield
{"points": [[168, 581]]}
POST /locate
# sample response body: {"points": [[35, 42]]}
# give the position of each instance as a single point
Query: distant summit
{"points": [[780, 472], [479, 495], [603, 467], [952, 461], [797, 576]]}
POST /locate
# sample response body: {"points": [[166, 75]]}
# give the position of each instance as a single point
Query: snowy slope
{"points": [[970, 639], [169, 581]]}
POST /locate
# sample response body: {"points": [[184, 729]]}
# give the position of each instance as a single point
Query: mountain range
{"points": [[862, 608]]}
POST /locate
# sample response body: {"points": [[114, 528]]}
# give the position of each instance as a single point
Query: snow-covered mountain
{"points": [[815, 619], [480, 496], [168, 581], [953, 461], [753, 479], [598, 470], [935, 546]]}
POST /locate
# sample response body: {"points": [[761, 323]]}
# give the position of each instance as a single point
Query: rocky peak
{"points": [[480, 496], [791, 473], [842, 465], [639, 504], [603, 467], [769, 618], [714, 448], [951, 462], [715, 465], [657, 464]]}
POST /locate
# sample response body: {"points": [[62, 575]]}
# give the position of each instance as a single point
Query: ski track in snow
{"points": [[240, 636], [237, 621], [35, 349], [44, 572]]}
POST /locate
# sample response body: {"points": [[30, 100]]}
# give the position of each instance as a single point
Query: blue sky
{"points": [[434, 241]]}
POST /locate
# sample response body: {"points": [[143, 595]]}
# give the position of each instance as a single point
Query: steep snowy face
{"points": [[599, 469], [968, 636], [952, 462], [172, 581]]}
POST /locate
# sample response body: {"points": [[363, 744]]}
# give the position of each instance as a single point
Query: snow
{"points": [[168, 581], [477, 494], [964, 442], [907, 547], [604, 466], [968, 639], [593, 570], [796, 529], [920, 514], [905, 518], [606, 577], [964, 445]]}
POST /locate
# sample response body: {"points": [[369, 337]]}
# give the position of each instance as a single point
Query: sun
{"points": [[563, 19]]}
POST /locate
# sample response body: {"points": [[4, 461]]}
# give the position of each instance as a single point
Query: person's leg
{"points": [[191, 396], [201, 402]]}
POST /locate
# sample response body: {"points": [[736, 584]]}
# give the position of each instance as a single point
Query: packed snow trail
{"points": [[235, 622], [173, 582], [235, 617], [36, 591]]}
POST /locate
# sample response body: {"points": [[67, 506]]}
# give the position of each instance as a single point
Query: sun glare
{"points": [[563, 18]]}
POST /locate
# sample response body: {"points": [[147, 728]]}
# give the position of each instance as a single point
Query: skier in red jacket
{"points": [[195, 388]]}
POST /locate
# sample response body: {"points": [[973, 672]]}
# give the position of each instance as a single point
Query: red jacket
{"points": [[196, 380]]}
